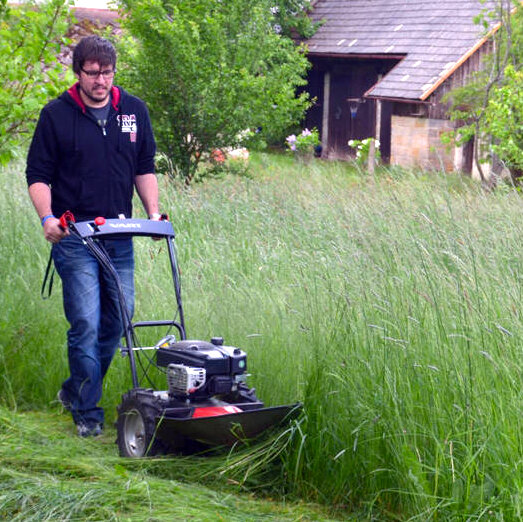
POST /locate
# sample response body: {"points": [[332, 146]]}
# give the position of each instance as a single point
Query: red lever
{"points": [[66, 218], [99, 221]]}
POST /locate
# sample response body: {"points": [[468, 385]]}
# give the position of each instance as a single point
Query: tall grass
{"points": [[390, 306]]}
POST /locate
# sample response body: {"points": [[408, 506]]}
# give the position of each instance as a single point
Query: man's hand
{"points": [[53, 231], [156, 216], [40, 194]]}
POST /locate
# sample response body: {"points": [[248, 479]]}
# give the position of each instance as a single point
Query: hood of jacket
{"points": [[73, 95]]}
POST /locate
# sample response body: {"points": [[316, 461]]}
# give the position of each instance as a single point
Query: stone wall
{"points": [[416, 142]]}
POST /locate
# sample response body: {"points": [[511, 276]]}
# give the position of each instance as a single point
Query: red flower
{"points": [[218, 156]]}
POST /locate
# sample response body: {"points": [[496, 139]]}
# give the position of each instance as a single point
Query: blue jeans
{"points": [[91, 306]]}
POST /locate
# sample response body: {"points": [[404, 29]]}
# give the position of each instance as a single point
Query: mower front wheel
{"points": [[136, 424]]}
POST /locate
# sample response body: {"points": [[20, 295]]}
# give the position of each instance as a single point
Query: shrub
{"points": [[362, 148], [30, 73], [304, 143], [210, 70]]}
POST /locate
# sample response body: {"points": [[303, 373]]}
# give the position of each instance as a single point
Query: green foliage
{"points": [[504, 118], [362, 148], [30, 74], [291, 18], [210, 70], [489, 106]]}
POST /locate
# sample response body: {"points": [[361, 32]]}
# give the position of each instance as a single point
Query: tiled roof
{"points": [[434, 37]]}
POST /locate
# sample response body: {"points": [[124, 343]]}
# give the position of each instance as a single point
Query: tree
{"points": [[291, 18], [30, 73], [503, 120], [490, 106], [209, 70]]}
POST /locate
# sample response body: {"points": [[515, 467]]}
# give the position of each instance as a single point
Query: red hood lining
{"points": [[75, 95]]}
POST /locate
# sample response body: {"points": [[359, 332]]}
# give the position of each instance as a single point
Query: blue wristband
{"points": [[45, 218]]}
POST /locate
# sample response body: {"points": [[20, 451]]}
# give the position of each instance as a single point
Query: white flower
{"points": [[275, 10], [243, 134], [241, 153]]}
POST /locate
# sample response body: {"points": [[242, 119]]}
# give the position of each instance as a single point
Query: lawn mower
{"points": [[207, 402]]}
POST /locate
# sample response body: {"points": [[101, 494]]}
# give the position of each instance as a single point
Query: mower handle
{"points": [[111, 228], [101, 228]]}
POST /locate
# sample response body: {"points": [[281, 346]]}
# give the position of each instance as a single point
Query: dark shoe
{"points": [[63, 401], [85, 430]]}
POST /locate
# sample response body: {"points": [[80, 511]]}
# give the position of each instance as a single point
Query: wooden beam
{"points": [[325, 119]]}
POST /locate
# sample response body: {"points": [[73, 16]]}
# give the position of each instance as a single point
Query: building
{"points": [[380, 68]]}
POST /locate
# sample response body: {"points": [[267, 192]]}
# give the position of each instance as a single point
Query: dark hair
{"points": [[96, 49]]}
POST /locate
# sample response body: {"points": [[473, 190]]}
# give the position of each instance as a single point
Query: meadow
{"points": [[389, 305]]}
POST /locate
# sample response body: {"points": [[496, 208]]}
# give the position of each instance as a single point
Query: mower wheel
{"points": [[136, 424]]}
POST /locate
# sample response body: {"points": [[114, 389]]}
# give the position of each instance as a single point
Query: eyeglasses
{"points": [[107, 74]]}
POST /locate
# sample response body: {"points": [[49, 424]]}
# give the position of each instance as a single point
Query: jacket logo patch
{"points": [[128, 125]]}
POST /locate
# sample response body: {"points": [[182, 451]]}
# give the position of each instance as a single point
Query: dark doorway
{"points": [[468, 156], [314, 117], [385, 133], [350, 114]]}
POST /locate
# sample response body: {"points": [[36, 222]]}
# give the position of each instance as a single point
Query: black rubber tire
{"points": [[136, 424]]}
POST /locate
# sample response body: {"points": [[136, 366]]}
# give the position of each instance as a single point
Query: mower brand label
{"points": [[125, 225]]}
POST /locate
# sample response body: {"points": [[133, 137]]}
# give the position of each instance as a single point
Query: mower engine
{"points": [[200, 370]]}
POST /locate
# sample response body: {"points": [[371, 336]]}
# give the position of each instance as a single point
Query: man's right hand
{"points": [[53, 231]]}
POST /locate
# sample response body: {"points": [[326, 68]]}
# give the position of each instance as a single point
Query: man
{"points": [[91, 147]]}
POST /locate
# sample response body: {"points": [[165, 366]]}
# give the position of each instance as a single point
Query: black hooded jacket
{"points": [[91, 169]]}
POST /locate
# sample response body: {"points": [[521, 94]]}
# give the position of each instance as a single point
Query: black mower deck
{"points": [[224, 430]]}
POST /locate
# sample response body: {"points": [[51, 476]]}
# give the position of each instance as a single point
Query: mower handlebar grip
{"points": [[66, 218]]}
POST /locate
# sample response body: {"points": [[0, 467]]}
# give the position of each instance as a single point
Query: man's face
{"points": [[95, 88]]}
